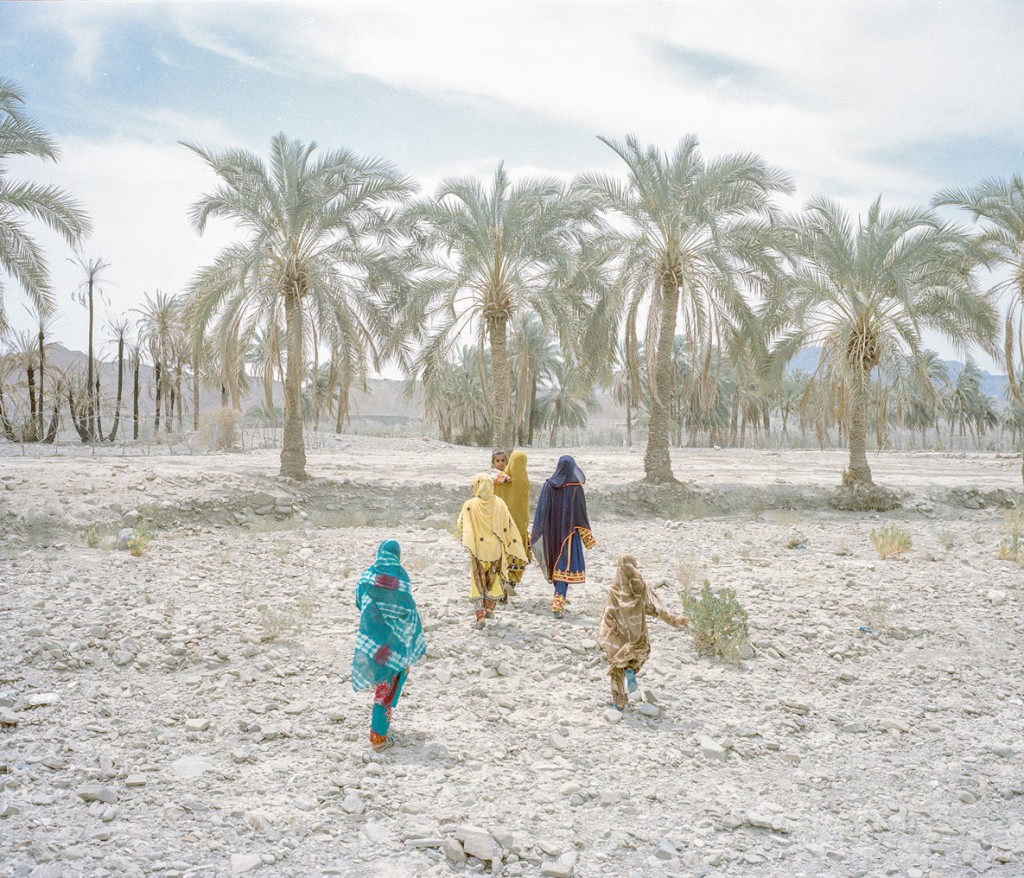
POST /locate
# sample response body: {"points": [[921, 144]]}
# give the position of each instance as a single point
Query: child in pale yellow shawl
{"points": [[486, 528], [622, 633], [515, 491]]}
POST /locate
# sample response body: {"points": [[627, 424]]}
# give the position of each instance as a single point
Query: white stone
{"points": [[241, 863], [712, 749], [190, 766]]}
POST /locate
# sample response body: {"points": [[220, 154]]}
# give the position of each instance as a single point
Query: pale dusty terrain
{"points": [[149, 682]]}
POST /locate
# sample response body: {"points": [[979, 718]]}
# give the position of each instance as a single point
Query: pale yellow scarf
{"points": [[488, 530]]}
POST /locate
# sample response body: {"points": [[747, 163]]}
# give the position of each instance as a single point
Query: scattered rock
{"points": [[123, 537], [242, 863], [713, 750], [453, 851], [94, 791]]}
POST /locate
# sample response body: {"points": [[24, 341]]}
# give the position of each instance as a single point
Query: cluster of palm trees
{"points": [[680, 284]]}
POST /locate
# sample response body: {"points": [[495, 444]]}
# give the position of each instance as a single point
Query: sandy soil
{"points": [[149, 725]]}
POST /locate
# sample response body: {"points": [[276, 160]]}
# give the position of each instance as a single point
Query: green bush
{"points": [[891, 541], [718, 623]]}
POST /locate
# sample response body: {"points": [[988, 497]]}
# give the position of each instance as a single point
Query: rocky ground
{"points": [[188, 712]]}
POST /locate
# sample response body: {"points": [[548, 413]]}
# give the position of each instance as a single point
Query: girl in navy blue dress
{"points": [[561, 531]]}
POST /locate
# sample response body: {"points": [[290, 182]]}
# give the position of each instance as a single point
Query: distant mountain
{"points": [[992, 385]]}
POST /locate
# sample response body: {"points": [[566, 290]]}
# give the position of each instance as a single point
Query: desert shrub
{"points": [[220, 431], [891, 541], [687, 574], [947, 539], [795, 541], [92, 536], [1011, 548], [718, 623], [276, 621], [139, 541], [876, 615]]}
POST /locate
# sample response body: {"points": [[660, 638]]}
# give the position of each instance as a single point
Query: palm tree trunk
{"points": [[99, 414], [293, 452], [859, 473], [92, 405], [159, 389], [120, 388], [135, 395], [657, 462], [501, 428], [629, 425], [42, 379], [29, 432]]}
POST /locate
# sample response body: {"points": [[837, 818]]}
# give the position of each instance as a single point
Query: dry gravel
{"points": [[148, 726]]}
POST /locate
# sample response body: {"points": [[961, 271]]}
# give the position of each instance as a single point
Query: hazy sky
{"points": [[852, 99]]}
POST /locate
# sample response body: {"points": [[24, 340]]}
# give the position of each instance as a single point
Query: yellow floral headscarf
{"points": [[488, 530]]}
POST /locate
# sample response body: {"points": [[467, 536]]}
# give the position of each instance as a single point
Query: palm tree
{"points": [[453, 397], [865, 292], [626, 383], [534, 356], [20, 256], [315, 227], [916, 396], [483, 255], [695, 238], [93, 269], [119, 331], [566, 400], [160, 334], [998, 204]]}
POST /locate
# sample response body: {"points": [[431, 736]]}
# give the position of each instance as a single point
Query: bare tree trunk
{"points": [[657, 461], [629, 424], [501, 428], [293, 452], [859, 473]]}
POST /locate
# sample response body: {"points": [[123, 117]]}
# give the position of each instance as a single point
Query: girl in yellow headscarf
{"points": [[486, 528], [516, 494]]}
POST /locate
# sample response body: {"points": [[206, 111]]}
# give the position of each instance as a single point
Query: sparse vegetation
{"points": [[139, 541], [92, 536], [276, 621], [947, 539], [876, 615], [687, 574], [795, 541], [891, 541], [1011, 547], [718, 622]]}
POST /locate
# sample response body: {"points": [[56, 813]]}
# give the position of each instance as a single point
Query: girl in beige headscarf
{"points": [[486, 528], [622, 633]]}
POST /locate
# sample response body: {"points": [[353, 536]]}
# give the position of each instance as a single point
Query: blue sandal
{"points": [[631, 683]]}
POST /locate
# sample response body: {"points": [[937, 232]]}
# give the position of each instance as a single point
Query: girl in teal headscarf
{"points": [[390, 637]]}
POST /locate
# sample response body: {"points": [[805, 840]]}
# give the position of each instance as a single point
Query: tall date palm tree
{"points": [[314, 227], [693, 238], [865, 292]]}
